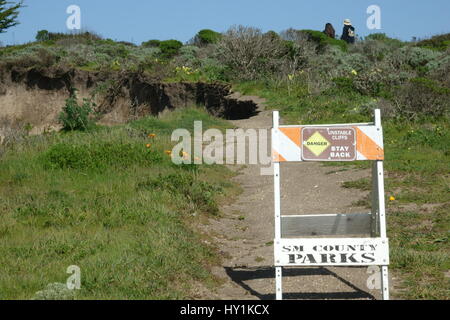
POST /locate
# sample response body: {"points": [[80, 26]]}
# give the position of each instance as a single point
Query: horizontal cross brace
{"points": [[325, 225]]}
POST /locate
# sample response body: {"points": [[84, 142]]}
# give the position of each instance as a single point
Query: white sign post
{"points": [[296, 243]]}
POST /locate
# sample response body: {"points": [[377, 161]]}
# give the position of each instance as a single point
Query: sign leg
{"points": [[279, 283], [374, 222], [277, 204], [385, 282]]}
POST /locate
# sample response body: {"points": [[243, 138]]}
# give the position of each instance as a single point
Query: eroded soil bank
{"points": [[34, 98]]}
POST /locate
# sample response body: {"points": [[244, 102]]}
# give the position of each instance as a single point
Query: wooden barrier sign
{"points": [[357, 239]]}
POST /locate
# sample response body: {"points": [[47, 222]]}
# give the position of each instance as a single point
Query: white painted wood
{"points": [[381, 201], [328, 125], [279, 283], [385, 282], [379, 165], [277, 205], [382, 212], [276, 167], [377, 121], [374, 223], [276, 119], [325, 225], [331, 252], [276, 172]]}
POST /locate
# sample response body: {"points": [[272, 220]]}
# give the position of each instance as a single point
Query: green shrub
{"points": [[439, 42], [373, 50], [335, 63], [380, 81], [42, 35], [438, 70], [322, 40], [442, 64], [272, 34], [79, 37], [99, 155], [290, 48], [382, 37], [422, 97], [356, 61], [207, 36], [36, 55], [413, 57], [371, 82], [170, 48], [435, 137], [75, 116], [188, 56], [344, 84], [214, 70], [377, 36], [151, 43]]}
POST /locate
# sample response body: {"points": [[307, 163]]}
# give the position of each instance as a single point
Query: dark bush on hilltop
{"points": [[377, 36], [127, 43], [272, 34], [440, 42], [43, 35], [207, 36], [170, 48], [422, 97], [322, 40], [151, 43]]}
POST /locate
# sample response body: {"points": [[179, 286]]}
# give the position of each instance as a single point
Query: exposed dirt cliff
{"points": [[34, 98]]}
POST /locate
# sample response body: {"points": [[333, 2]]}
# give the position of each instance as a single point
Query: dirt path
{"points": [[245, 234]]}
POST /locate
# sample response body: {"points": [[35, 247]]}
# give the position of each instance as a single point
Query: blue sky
{"points": [[140, 20]]}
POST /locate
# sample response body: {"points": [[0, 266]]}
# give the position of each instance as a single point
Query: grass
{"points": [[298, 105], [105, 201], [420, 250], [417, 175]]}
